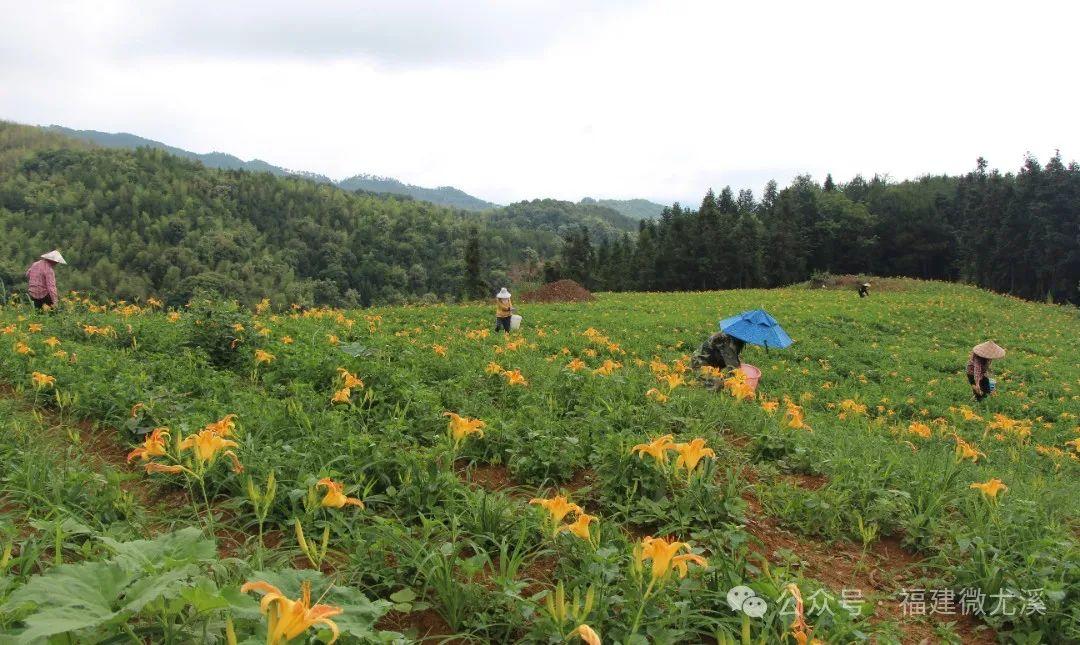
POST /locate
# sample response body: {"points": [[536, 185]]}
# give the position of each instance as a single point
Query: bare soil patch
{"points": [[559, 291]]}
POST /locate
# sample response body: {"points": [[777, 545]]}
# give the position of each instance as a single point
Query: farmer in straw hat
{"points": [[978, 367], [864, 289], [504, 309], [42, 280]]}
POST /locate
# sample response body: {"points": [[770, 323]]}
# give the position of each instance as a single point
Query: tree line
{"points": [[1016, 233], [142, 223]]}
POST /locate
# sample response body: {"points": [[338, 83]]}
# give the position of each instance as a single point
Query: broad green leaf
{"points": [[69, 597], [175, 549]]}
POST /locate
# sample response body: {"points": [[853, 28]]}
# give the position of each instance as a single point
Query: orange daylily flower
{"points": [[439, 349], [919, 429], [493, 368], [343, 395], [42, 380], [335, 497], [514, 377], [290, 618], [223, 426], [576, 365], [263, 357], [800, 630], [51, 341], [155, 467], [607, 368], [349, 379]]}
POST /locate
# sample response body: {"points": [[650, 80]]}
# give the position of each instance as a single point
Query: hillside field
{"points": [[852, 496]]}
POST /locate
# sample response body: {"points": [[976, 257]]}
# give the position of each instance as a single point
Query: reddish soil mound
{"points": [[560, 291]]}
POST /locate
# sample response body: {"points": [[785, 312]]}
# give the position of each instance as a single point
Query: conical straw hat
{"points": [[989, 349], [503, 293], [54, 256]]}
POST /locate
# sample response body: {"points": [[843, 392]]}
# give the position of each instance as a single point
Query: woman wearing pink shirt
{"points": [[42, 280]]}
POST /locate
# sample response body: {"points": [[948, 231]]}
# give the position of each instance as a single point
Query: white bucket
{"points": [[515, 321]]}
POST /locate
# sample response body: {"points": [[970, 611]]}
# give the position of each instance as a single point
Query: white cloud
{"points": [[513, 100]]}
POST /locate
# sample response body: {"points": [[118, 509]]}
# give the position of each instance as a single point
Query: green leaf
{"points": [[204, 596], [356, 350], [73, 597], [177, 549], [405, 595]]}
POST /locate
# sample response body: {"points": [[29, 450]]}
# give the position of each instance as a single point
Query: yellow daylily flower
{"points": [[290, 618], [664, 557], [335, 496], [576, 365], [206, 444], [607, 368], [770, 406], [657, 448], [461, 427], [919, 429], [580, 526], [287, 340], [223, 426], [439, 349], [153, 446], [343, 395], [264, 357], [34, 328], [557, 507], [23, 348], [42, 380], [965, 450], [991, 489], [514, 377], [349, 379], [657, 395], [493, 368], [673, 380], [692, 453], [51, 341]]}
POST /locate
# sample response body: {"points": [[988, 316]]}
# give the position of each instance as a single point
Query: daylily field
{"points": [[218, 474]]}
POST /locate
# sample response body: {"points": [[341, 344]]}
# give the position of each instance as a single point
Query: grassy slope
{"points": [[903, 350]]}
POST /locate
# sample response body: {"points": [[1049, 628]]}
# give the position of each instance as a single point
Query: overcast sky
{"points": [[515, 99]]}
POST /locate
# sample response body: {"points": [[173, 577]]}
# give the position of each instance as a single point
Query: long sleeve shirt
{"points": [[42, 281], [503, 310], [978, 367]]}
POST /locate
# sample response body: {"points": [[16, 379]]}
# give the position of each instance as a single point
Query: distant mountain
{"points": [[210, 160], [632, 208], [443, 195]]}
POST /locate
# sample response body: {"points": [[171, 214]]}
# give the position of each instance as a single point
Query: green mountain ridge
{"points": [[145, 222], [443, 195], [636, 209]]}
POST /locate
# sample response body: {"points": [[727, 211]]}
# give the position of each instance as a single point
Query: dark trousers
{"points": [[502, 324], [41, 302], [984, 384]]}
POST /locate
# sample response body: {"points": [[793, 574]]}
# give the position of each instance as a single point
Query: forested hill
{"points": [[632, 208], [443, 195], [135, 223]]}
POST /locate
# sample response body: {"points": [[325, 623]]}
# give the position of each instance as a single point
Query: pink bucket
{"points": [[752, 374]]}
